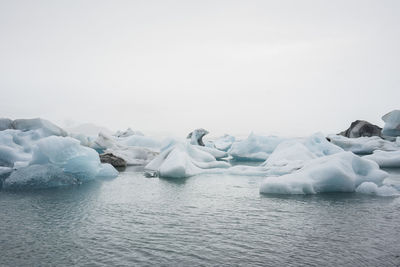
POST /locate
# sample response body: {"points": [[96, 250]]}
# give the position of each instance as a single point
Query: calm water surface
{"points": [[203, 220]]}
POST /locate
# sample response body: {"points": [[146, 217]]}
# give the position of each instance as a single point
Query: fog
{"points": [[274, 67]]}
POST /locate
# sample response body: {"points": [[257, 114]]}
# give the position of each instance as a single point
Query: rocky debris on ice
{"points": [[360, 128], [113, 160], [392, 123], [135, 150]]}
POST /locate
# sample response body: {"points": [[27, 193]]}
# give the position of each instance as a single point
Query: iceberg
{"points": [[291, 155], [339, 172], [182, 160], [134, 150], [392, 123], [196, 137], [30, 154], [254, 148], [67, 154], [385, 159], [363, 145], [224, 143]]}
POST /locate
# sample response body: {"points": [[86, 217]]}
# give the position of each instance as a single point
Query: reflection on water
{"points": [[203, 220]]}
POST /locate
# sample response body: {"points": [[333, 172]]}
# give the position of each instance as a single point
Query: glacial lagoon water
{"points": [[207, 220]]}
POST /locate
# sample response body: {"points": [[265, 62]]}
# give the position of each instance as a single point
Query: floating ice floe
{"points": [[224, 143], [363, 145], [135, 149], [182, 160], [35, 153], [254, 147], [340, 172], [293, 154], [392, 123], [50, 161], [386, 159], [289, 156]]}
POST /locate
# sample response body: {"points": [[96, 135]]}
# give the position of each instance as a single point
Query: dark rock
{"points": [[361, 128], [196, 137], [112, 159]]}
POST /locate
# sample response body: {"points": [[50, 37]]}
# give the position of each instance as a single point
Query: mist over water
{"points": [[293, 67]]}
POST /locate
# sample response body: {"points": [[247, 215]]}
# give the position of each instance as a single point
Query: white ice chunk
{"points": [[67, 154], [135, 149], [340, 172], [392, 123], [218, 154], [388, 159], [363, 145], [224, 143], [184, 160], [47, 127], [255, 147], [292, 154]]}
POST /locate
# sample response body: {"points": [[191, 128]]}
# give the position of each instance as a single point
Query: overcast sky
{"points": [[278, 67]]}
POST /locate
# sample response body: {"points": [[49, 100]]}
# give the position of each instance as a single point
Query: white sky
{"points": [[278, 67]]}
